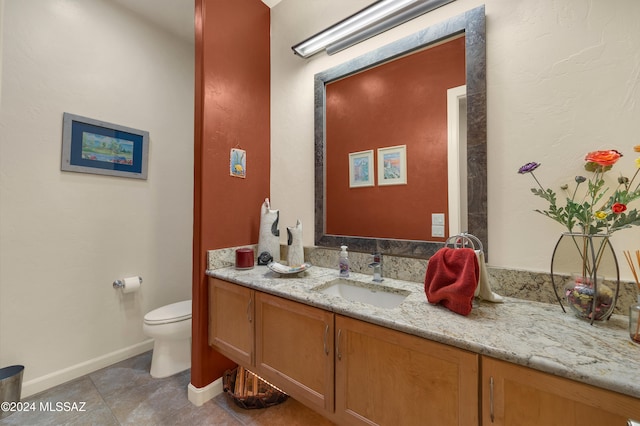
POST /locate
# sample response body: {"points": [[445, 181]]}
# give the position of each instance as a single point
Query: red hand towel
{"points": [[451, 279]]}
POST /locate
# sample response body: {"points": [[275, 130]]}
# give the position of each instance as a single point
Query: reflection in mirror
{"points": [[397, 111], [355, 125]]}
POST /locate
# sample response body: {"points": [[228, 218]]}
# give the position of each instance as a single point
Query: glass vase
{"points": [[634, 321], [585, 275]]}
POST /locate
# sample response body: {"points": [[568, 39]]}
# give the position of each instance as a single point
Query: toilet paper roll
{"points": [[131, 284]]}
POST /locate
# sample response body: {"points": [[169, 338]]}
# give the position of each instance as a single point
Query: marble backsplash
{"points": [[527, 285]]}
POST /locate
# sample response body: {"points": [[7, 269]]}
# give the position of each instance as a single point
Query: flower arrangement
{"points": [[591, 211], [587, 209]]}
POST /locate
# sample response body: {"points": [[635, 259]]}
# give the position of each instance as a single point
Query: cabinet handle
{"points": [[338, 345], [491, 399], [249, 316], [326, 337]]}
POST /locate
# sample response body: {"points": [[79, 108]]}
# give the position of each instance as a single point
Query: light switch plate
{"points": [[437, 219], [437, 230]]}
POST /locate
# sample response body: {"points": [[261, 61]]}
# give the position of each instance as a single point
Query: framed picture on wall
{"points": [[238, 163], [361, 169], [392, 165], [93, 146]]}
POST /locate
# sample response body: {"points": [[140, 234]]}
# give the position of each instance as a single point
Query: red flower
{"points": [[618, 208], [603, 158]]}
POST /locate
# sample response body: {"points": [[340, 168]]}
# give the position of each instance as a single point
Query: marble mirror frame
{"points": [[472, 25]]}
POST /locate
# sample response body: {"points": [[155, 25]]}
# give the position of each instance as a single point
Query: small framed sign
{"points": [[238, 163], [93, 146]]}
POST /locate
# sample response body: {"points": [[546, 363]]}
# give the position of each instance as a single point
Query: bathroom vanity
{"points": [[358, 363]]}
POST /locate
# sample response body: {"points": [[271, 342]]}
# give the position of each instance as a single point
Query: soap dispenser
{"points": [[344, 262]]}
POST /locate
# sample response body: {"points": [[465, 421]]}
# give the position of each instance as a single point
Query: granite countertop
{"points": [[532, 334]]}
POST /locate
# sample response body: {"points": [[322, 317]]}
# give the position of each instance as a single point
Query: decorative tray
{"points": [[287, 270]]}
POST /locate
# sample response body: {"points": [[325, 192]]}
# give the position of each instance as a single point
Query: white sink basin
{"points": [[369, 293]]}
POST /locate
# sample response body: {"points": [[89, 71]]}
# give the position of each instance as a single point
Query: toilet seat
{"points": [[174, 312]]}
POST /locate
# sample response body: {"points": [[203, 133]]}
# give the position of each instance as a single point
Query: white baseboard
{"points": [[199, 396], [59, 377]]}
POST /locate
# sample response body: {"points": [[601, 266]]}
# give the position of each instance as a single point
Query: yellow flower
{"points": [[601, 215], [638, 162]]}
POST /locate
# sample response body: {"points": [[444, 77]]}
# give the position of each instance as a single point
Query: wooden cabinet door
{"points": [[231, 321], [387, 377], [294, 349], [516, 395]]}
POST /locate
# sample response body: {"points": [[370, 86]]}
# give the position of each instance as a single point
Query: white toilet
{"points": [[170, 327]]}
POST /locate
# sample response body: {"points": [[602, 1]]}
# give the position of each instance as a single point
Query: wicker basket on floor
{"points": [[249, 391]]}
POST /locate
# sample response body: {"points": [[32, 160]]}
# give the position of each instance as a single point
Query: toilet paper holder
{"points": [[120, 283]]}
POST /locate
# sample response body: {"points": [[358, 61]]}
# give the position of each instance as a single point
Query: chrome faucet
{"points": [[377, 267]]}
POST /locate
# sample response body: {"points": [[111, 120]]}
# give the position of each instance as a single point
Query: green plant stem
{"points": [[589, 268], [582, 251], [600, 253], [575, 191], [538, 182], [634, 178]]}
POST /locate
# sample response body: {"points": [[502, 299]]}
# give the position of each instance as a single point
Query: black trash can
{"points": [[10, 387]]}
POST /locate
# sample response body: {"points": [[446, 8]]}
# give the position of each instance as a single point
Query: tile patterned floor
{"points": [[125, 394]]}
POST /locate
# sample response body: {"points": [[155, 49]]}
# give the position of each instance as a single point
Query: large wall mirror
{"points": [[378, 186]]}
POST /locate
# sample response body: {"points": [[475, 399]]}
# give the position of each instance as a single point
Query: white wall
{"points": [[65, 237], [1, 31], [563, 79]]}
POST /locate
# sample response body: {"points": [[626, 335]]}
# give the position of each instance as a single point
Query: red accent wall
{"points": [[403, 102], [232, 110]]}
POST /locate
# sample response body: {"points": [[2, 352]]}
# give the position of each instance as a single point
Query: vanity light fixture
{"points": [[370, 21]]}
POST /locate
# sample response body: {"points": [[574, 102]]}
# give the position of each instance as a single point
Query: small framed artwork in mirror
{"points": [[392, 165], [361, 169]]}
